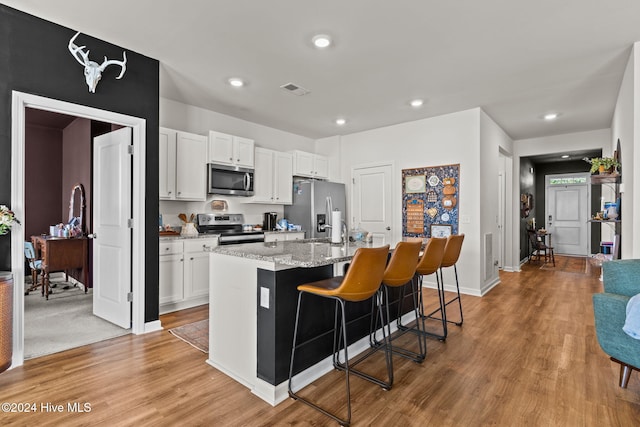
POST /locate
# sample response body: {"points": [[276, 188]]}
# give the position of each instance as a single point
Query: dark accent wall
{"points": [[34, 59], [576, 166], [527, 186]]}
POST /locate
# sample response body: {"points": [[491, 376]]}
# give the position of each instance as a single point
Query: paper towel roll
{"points": [[336, 227]]}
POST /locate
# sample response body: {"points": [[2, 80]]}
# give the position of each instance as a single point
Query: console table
{"points": [[61, 254]]}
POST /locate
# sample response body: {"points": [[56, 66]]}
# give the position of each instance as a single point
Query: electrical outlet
{"points": [[264, 297]]}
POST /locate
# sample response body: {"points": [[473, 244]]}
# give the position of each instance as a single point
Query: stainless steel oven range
{"points": [[229, 227]]}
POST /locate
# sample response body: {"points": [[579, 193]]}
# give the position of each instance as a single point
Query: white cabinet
{"points": [[167, 154], [171, 272], [184, 273], [196, 267], [310, 165], [183, 171], [282, 236], [230, 150], [273, 177]]}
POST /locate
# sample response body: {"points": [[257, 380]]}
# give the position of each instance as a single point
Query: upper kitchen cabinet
{"points": [[183, 171], [228, 149], [310, 165], [273, 177]]}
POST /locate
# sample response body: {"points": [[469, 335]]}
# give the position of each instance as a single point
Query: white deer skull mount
{"points": [[93, 70]]}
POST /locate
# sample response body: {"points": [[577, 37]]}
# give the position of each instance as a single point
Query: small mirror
{"points": [[76, 210]]}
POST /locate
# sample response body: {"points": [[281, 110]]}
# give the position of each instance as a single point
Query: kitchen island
{"points": [[253, 298]]}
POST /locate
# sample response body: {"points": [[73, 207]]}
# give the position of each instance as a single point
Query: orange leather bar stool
{"points": [[430, 263], [449, 259], [401, 270], [360, 283]]}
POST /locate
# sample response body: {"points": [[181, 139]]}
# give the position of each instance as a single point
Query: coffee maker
{"points": [[270, 221]]}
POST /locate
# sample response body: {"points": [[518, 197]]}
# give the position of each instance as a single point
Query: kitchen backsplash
{"points": [[253, 213]]}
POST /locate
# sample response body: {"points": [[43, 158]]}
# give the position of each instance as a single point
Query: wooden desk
{"points": [[60, 254]]}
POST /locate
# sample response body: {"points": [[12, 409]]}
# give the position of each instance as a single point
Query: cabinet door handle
{"points": [[191, 258], [231, 159]]}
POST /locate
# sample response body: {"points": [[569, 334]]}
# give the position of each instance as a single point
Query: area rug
{"points": [[196, 334], [568, 264]]}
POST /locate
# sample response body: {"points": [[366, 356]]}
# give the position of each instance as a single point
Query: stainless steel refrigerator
{"points": [[313, 202]]}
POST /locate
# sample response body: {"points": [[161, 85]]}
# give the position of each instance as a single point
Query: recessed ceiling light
{"points": [[416, 103], [551, 116], [321, 41], [340, 122], [565, 156], [236, 82]]}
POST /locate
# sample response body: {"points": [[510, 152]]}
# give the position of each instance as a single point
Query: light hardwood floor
{"points": [[526, 355]]}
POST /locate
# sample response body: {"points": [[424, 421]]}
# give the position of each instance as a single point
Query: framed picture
{"points": [[414, 184], [440, 230]]}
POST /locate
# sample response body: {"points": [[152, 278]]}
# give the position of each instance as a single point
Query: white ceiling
{"points": [[516, 59]]}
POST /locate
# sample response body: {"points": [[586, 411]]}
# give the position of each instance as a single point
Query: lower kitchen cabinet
{"points": [[184, 273]]}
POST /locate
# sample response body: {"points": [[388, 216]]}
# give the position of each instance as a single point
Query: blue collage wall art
{"points": [[430, 201]]}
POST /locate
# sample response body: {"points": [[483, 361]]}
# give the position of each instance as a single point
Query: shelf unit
{"points": [[612, 181]]}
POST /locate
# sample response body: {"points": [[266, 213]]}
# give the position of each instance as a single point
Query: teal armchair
{"points": [[621, 279]]}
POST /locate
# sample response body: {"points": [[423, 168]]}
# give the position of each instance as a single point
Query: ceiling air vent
{"points": [[294, 89]]}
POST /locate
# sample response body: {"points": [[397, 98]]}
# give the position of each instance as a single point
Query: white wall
{"points": [[596, 140], [625, 126], [493, 141], [448, 139], [176, 115]]}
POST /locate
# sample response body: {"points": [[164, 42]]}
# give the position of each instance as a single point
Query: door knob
{"points": [[92, 236], [388, 228]]}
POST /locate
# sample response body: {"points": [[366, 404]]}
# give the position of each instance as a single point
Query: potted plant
{"points": [[603, 164], [7, 219]]}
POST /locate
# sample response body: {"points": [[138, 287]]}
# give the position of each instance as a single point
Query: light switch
{"points": [[264, 297]]}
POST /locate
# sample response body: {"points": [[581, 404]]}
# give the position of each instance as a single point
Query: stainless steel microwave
{"points": [[229, 180]]}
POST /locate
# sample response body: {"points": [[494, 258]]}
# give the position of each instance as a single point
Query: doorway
{"points": [[22, 101], [372, 200], [567, 212]]}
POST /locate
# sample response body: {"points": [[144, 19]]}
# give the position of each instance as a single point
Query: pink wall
{"points": [[76, 161], [56, 160], [43, 179]]}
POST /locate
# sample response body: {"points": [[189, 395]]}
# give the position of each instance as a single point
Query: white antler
{"points": [[93, 71], [122, 63], [78, 51]]}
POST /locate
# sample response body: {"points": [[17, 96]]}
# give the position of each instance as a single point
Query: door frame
{"points": [[21, 101], [587, 202]]}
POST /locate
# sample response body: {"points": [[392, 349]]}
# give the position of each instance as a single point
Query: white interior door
{"points": [[112, 235], [500, 218], [372, 200], [567, 213]]}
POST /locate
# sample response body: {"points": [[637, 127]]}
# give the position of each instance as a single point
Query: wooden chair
{"points": [[538, 247]]}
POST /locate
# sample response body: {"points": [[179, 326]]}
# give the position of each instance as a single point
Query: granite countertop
{"points": [[297, 253]]}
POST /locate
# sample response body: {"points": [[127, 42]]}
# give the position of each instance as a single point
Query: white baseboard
{"points": [[152, 326]]}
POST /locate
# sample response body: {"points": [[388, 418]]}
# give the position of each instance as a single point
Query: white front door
{"points": [[112, 235], [372, 200], [567, 213]]}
